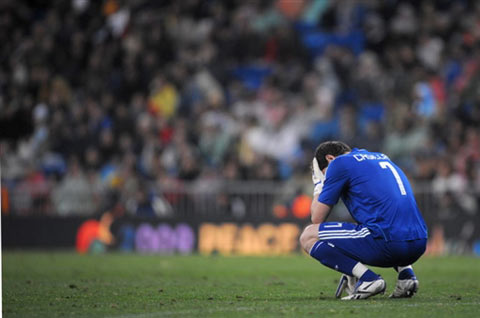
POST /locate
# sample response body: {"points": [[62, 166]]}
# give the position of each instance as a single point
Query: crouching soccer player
{"points": [[390, 231]]}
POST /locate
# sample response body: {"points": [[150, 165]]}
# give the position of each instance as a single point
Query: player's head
{"points": [[332, 148]]}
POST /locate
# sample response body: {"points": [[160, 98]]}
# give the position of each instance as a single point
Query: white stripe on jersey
{"points": [[344, 237], [333, 225], [344, 231], [343, 234]]}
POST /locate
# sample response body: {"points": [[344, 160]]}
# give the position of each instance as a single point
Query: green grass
{"points": [[57, 284]]}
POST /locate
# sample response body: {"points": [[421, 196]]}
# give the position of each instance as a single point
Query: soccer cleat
{"points": [[364, 290], [347, 283], [405, 288]]}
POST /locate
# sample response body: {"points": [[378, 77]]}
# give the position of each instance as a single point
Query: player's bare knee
{"points": [[309, 236]]}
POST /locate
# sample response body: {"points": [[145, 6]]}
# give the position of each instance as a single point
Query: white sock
{"points": [[400, 268], [359, 269]]}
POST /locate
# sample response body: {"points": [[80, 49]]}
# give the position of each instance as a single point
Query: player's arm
{"points": [[328, 187], [319, 210]]}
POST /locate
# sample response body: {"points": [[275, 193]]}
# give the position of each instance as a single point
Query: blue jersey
{"points": [[376, 193]]}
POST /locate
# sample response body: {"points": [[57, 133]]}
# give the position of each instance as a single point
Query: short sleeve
{"points": [[335, 180]]}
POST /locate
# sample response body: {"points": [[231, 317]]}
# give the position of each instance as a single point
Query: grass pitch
{"points": [[53, 284]]}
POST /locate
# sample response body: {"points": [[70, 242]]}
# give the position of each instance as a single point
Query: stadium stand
{"points": [[105, 103]]}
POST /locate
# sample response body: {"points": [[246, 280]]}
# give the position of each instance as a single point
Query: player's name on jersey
{"points": [[370, 156]]}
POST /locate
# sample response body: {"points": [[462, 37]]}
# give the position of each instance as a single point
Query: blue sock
{"points": [[369, 276], [332, 257], [407, 273]]}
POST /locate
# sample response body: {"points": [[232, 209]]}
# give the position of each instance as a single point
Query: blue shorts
{"points": [[357, 242]]}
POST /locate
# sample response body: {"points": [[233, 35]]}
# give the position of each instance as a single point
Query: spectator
{"points": [[73, 195]]}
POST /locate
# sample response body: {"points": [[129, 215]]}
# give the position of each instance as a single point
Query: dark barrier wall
{"points": [[153, 236], [39, 232], [224, 236]]}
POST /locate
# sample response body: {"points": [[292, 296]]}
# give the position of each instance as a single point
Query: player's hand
{"points": [[318, 178]]}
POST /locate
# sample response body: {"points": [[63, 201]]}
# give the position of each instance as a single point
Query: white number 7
{"points": [[385, 165]]}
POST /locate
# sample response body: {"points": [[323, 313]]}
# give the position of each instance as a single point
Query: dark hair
{"points": [[334, 148]]}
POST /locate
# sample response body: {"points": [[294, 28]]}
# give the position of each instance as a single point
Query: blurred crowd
{"points": [[105, 103]]}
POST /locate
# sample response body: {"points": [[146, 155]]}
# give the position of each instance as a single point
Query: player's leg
{"points": [[307, 240], [325, 252], [406, 253], [404, 272], [316, 241], [407, 283]]}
